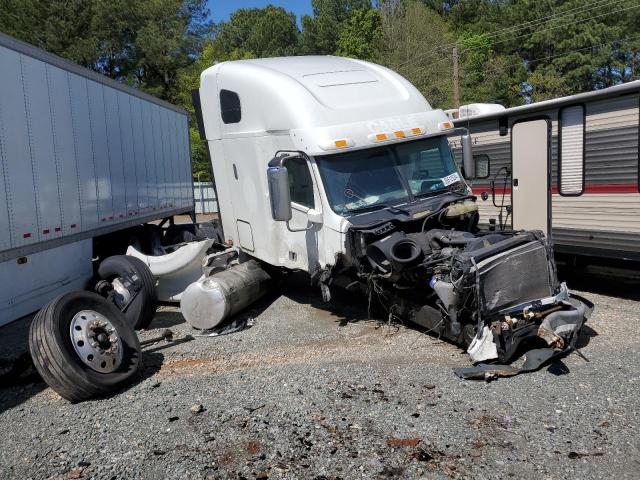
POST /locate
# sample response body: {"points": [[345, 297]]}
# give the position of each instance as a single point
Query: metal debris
{"points": [[237, 325]]}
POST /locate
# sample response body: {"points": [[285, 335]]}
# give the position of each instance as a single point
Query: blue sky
{"points": [[221, 9]]}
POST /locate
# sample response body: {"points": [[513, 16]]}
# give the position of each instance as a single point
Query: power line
{"points": [[551, 57], [560, 26], [584, 8], [539, 21], [495, 69]]}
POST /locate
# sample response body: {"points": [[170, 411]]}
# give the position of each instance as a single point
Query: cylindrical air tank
{"points": [[209, 301]]}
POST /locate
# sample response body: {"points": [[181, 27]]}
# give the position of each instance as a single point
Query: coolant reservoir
{"points": [[461, 208], [209, 301]]}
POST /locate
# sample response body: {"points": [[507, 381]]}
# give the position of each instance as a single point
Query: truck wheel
{"points": [[130, 285], [83, 347]]}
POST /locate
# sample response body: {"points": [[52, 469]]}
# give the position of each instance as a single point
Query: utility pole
{"points": [[456, 79]]}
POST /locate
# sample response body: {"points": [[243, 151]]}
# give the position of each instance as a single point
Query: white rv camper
{"points": [[340, 168], [567, 166]]}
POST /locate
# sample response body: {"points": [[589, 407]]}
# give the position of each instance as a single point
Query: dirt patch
{"points": [[369, 347], [402, 442]]}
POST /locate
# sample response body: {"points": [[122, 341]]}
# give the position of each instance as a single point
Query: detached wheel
{"points": [[83, 347], [129, 284]]}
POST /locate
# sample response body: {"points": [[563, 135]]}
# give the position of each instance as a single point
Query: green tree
{"points": [[417, 43], [571, 46], [188, 80], [262, 32], [320, 32], [61, 27], [486, 75], [143, 43], [360, 35]]}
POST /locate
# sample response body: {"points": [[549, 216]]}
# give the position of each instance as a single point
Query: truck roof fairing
{"points": [[320, 99]]}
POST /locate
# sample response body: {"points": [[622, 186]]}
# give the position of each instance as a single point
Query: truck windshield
{"points": [[386, 176]]}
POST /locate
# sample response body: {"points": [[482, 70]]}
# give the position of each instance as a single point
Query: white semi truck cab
{"points": [[342, 169], [339, 126]]}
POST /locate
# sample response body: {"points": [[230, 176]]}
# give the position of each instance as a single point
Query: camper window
{"points": [[300, 182], [482, 166], [571, 151], [230, 106]]}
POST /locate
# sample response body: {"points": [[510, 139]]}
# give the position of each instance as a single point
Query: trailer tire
{"points": [[58, 361], [139, 283]]}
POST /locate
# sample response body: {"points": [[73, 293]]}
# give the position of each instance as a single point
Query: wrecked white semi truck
{"points": [[340, 168]]}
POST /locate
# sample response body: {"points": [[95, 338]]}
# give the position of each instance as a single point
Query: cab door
{"points": [[301, 248], [530, 157]]}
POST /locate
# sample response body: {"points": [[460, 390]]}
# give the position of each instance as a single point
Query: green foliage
{"points": [[320, 32], [550, 47], [360, 35], [144, 43], [200, 163], [417, 44], [259, 32], [486, 74]]}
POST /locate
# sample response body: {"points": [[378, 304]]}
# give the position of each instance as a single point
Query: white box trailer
{"points": [[82, 157], [567, 166]]}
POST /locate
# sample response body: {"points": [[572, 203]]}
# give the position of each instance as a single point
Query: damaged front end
{"points": [[489, 292]]}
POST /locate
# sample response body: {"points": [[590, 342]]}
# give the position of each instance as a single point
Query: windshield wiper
{"points": [[440, 191], [378, 206]]}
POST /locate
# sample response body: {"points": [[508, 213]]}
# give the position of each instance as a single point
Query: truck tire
{"points": [[83, 347], [131, 287]]}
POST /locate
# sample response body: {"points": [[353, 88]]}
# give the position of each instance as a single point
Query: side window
{"points": [[230, 106], [300, 182], [571, 151]]}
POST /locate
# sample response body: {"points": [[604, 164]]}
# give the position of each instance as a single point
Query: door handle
{"points": [[515, 182]]}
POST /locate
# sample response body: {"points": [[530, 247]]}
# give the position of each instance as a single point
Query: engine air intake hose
{"points": [[394, 253]]}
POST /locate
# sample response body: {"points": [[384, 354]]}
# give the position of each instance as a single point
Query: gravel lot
{"points": [[310, 393]]}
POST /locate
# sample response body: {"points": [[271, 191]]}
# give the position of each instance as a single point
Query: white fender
{"points": [[177, 270]]}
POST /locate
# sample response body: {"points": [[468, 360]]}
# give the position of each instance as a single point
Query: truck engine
{"points": [[487, 291]]}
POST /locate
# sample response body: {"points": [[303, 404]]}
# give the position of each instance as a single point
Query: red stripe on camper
{"points": [[590, 189]]}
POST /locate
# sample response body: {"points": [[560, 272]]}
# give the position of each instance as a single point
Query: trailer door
{"points": [[530, 150]]}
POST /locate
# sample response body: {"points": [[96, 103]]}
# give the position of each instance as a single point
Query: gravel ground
{"points": [[310, 393]]}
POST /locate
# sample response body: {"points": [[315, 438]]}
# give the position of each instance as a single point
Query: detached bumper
{"points": [[555, 320]]}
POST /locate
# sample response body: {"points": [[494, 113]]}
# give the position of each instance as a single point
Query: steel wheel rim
{"points": [[96, 341]]}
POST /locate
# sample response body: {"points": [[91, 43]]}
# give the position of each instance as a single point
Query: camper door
{"points": [[530, 154]]}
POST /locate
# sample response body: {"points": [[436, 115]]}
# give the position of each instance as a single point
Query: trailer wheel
{"points": [[130, 285], [83, 347]]}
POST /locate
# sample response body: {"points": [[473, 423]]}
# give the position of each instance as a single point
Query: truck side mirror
{"points": [[279, 194], [467, 157]]}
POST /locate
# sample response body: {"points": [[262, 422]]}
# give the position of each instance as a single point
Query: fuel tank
{"points": [[211, 300]]}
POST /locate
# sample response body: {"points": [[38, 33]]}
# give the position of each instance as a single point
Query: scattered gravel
{"points": [[311, 393]]}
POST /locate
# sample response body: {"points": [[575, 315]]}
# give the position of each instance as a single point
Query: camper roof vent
{"points": [[476, 109]]}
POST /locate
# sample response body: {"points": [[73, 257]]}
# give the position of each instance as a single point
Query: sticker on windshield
{"points": [[449, 179]]}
